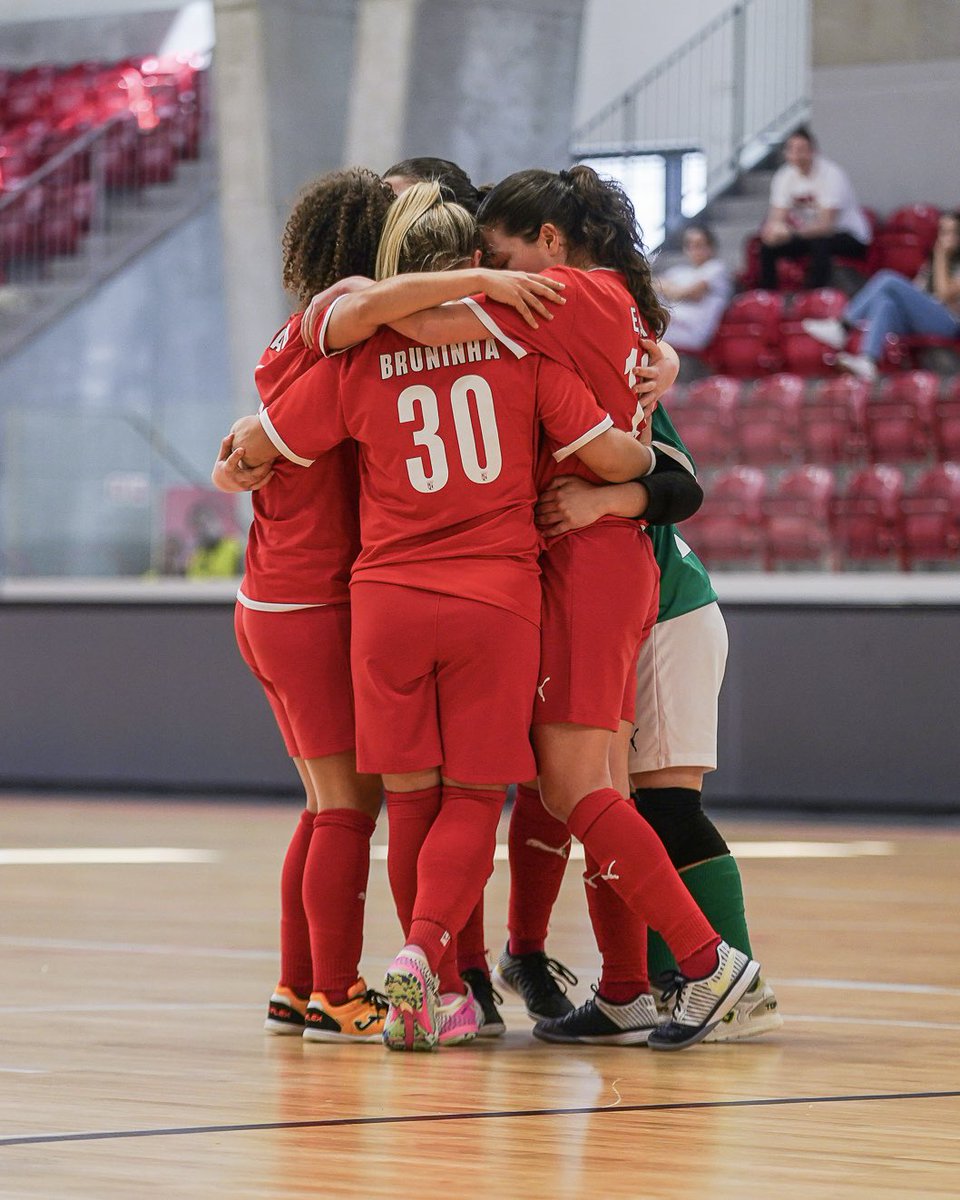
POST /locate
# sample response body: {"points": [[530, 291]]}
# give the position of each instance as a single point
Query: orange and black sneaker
{"points": [[285, 1013], [359, 1020]]}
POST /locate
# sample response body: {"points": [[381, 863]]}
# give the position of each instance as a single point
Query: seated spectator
{"points": [[696, 292], [813, 214], [890, 303], [216, 553]]}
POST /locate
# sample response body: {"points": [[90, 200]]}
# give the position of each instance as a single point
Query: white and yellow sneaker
{"points": [[755, 1013], [701, 1004]]}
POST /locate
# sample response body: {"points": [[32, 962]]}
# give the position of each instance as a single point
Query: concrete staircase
{"points": [[733, 217]]}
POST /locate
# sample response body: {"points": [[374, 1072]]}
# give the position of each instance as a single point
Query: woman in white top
{"points": [[696, 292], [890, 303]]}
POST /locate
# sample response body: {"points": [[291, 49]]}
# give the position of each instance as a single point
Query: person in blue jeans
{"points": [[891, 303]]}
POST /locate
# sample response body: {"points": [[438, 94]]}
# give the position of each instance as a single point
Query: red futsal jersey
{"points": [[448, 441], [306, 525], [596, 333]]}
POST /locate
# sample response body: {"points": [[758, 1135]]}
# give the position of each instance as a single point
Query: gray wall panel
{"points": [[821, 706]]}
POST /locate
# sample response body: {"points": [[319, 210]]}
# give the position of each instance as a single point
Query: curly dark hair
{"points": [[596, 217], [334, 230]]}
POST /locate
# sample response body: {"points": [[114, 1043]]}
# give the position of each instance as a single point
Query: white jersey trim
{"points": [[265, 606], [490, 324], [322, 334], [677, 456], [566, 451], [280, 444]]}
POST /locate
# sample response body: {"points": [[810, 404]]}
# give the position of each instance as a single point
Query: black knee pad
{"points": [[686, 831]]}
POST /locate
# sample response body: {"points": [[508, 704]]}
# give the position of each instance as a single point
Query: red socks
{"points": [[455, 862], [334, 896], [409, 817], [296, 965], [471, 950], [539, 847], [631, 858], [621, 939]]}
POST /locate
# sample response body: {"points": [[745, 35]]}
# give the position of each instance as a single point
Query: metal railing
{"points": [[733, 90]]}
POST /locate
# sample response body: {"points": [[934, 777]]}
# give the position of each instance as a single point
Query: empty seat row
{"points": [[778, 420], [808, 516], [162, 101]]}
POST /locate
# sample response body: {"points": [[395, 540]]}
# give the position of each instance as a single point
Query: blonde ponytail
{"points": [[423, 233]]}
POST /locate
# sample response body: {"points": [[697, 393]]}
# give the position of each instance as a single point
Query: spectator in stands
{"points": [[696, 292], [889, 303], [813, 214], [216, 553]]}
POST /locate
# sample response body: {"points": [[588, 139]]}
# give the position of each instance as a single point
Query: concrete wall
{"points": [[886, 97], [894, 128], [884, 31], [855, 708], [127, 394], [78, 36]]}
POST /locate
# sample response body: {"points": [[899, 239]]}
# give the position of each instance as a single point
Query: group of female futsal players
{"points": [[440, 426]]}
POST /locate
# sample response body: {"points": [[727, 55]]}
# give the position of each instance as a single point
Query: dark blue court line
{"points": [[341, 1122]]}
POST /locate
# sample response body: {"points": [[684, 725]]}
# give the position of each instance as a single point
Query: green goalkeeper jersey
{"points": [[684, 582]]}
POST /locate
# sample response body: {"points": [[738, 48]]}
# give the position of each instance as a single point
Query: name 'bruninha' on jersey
{"points": [[428, 358]]}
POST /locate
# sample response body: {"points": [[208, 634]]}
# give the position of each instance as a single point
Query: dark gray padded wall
{"points": [[823, 706]]}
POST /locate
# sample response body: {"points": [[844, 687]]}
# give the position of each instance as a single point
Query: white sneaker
{"points": [[858, 364], [702, 1003], [828, 330], [755, 1013]]}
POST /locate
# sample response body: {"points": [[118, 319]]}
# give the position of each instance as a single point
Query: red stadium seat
{"points": [[756, 308], [948, 423], [931, 515], [798, 517], [706, 417], [729, 526], [18, 226], [901, 251], [717, 388], [743, 351], [819, 303], [769, 421], [901, 417], [923, 220], [802, 354], [834, 417], [158, 158], [867, 519], [747, 343]]}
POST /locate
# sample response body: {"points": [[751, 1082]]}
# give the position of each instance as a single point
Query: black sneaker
{"points": [[601, 1022], [538, 981], [487, 996]]}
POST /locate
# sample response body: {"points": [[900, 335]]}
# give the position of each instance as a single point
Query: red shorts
{"points": [[302, 658], [442, 682], [601, 593]]}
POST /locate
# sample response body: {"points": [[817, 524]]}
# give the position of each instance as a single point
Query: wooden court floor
{"points": [[133, 1063]]}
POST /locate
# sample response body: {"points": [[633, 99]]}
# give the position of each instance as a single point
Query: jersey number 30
{"points": [[433, 475]]}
